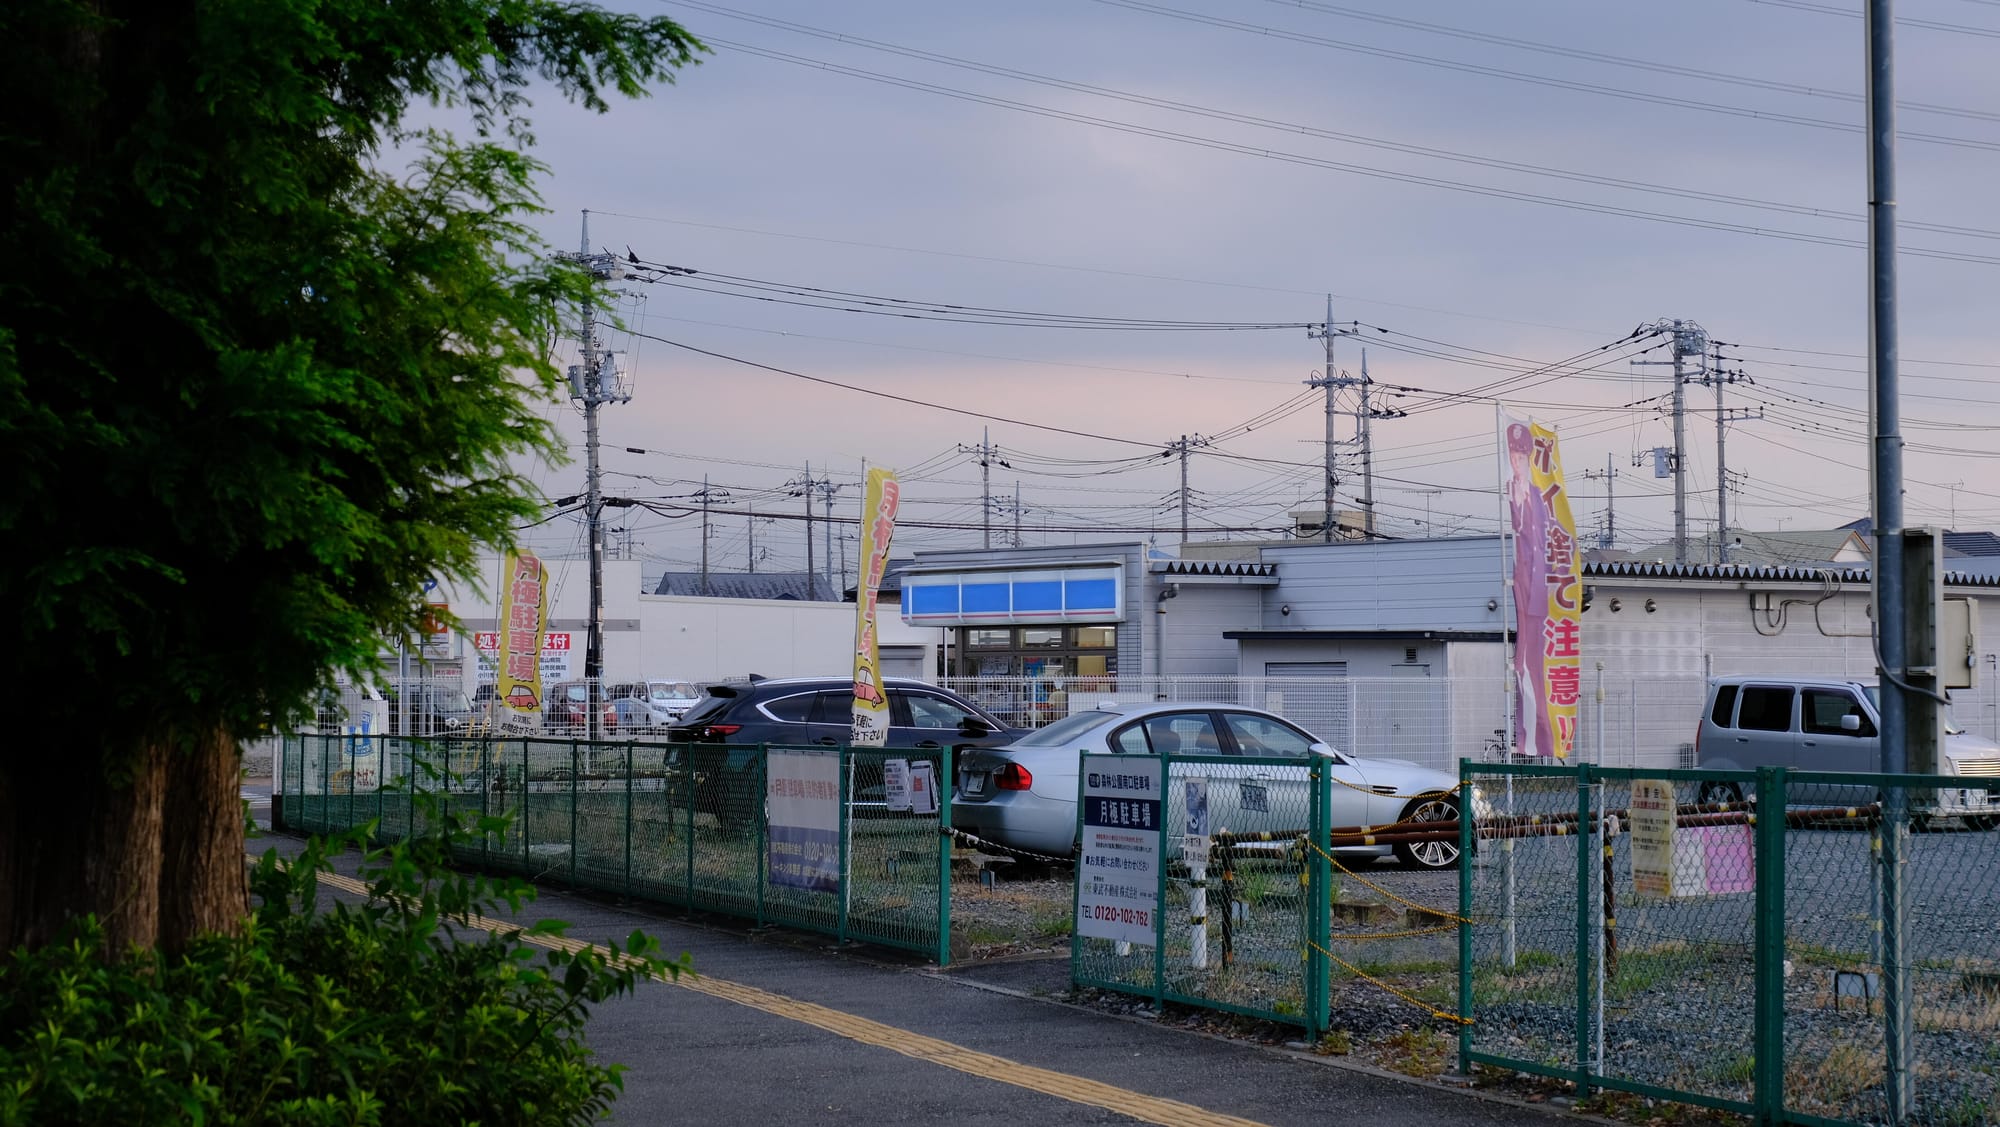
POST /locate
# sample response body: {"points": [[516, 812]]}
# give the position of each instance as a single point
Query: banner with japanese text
{"points": [[524, 617], [878, 524], [1548, 589]]}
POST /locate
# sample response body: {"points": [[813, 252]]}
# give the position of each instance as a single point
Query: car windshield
{"points": [[452, 701], [674, 690], [1068, 728]]}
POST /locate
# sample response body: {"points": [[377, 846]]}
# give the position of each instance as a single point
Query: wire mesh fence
{"points": [[1826, 949], [834, 840]]}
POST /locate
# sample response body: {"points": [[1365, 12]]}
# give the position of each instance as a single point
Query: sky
{"points": [[1493, 197]]}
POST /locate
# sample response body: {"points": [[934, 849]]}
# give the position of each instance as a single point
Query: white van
{"points": [[1828, 724]]}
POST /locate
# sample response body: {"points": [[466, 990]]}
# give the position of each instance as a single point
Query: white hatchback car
{"points": [[1023, 795]]}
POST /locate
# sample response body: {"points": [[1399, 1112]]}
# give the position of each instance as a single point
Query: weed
{"points": [[1830, 1079], [1052, 924], [1421, 1051], [1335, 1043]]}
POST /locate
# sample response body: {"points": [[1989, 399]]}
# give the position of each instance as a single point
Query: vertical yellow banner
{"points": [[878, 524], [524, 619], [1561, 568]]}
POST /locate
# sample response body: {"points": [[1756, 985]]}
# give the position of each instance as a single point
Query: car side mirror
{"points": [[1850, 723], [1324, 749], [973, 726]]}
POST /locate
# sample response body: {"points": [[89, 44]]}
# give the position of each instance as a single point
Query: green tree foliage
{"points": [[394, 1011], [257, 383]]}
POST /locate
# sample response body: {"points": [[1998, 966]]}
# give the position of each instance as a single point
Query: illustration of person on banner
{"points": [[878, 525], [1548, 588]]}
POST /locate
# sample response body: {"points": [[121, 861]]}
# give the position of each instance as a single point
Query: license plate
{"points": [[974, 784]]}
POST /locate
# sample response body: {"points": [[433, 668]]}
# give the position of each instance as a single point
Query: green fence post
{"points": [[1466, 789], [411, 777], [845, 755], [687, 876], [1319, 894], [1160, 890], [575, 784], [486, 749], [946, 787], [1768, 1037], [527, 838], [1586, 957], [629, 750], [761, 816]]}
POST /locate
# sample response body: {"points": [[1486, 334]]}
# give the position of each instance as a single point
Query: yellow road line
{"points": [[1062, 1085]]}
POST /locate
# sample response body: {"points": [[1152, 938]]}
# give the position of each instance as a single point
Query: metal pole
{"points": [[986, 485], [807, 490], [704, 534]]}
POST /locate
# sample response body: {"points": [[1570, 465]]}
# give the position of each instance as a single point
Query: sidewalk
{"points": [[783, 1028]]}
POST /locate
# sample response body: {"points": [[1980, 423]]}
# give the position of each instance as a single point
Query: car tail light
{"points": [[717, 731], [1014, 777]]}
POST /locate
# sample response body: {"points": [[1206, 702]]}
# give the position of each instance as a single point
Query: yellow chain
{"points": [[1404, 995], [1453, 916]]}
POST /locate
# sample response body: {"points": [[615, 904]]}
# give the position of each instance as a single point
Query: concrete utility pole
{"points": [[1017, 512], [749, 535], [806, 491], [1689, 340], [1330, 380], [1718, 375], [708, 497], [595, 382], [827, 489], [1181, 448], [1610, 477], [1367, 454]]}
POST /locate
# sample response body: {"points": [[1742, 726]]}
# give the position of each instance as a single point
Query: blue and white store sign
{"points": [[1077, 593]]}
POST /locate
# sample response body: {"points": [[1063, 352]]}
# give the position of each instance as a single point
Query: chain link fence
{"points": [[1827, 950], [842, 841]]}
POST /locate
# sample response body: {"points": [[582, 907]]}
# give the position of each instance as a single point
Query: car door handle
{"points": [[827, 740], [928, 743]]}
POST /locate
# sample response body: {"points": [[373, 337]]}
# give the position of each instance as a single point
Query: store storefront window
{"points": [[1039, 652]]}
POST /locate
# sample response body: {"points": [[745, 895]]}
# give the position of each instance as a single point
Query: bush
{"points": [[394, 1011]]}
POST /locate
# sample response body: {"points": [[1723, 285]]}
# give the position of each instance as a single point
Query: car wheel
{"points": [[1439, 854], [1715, 794]]}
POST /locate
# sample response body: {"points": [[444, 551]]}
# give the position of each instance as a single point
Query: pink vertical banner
{"points": [[1547, 594]]}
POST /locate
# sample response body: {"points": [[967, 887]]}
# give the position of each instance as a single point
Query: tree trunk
{"points": [[81, 838], [204, 885], [147, 838]]}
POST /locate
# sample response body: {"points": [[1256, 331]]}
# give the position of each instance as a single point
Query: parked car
{"points": [[1023, 795], [569, 705], [652, 705], [813, 711], [433, 708], [1830, 724]]}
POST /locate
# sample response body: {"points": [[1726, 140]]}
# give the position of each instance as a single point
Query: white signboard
{"points": [[1118, 874], [1195, 838], [896, 784], [802, 794], [1652, 813], [923, 787], [557, 655]]}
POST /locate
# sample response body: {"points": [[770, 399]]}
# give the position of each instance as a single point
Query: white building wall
{"points": [[1194, 623], [687, 637]]}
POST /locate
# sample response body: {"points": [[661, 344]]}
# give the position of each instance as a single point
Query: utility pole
{"points": [[749, 535], [588, 384], [1017, 511], [1610, 476], [1181, 448], [708, 497], [985, 450], [1689, 340], [1330, 380], [806, 491], [1367, 454], [827, 489], [1718, 375]]}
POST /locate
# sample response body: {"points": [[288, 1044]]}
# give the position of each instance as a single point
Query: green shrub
{"points": [[393, 1011]]}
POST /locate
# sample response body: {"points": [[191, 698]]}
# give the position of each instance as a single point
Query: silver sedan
{"points": [[1023, 796]]}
